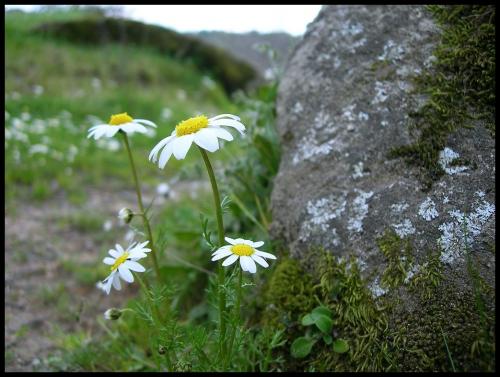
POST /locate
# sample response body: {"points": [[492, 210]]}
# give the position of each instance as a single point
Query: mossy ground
{"points": [[460, 86], [445, 330]]}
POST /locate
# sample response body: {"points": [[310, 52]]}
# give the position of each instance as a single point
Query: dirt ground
{"points": [[36, 244]]}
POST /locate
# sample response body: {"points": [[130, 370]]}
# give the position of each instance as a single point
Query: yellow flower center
{"points": [[191, 125], [119, 261], [242, 250], [118, 119]]}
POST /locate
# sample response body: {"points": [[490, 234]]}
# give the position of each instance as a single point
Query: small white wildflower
{"points": [[245, 251], [38, 90], [96, 83], [181, 94], [166, 113], [163, 189], [207, 82], [107, 226], [201, 130], [38, 148], [120, 122], [122, 262]]}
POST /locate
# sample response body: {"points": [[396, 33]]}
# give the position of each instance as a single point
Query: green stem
{"points": [[220, 228], [237, 311], [156, 315], [141, 206]]}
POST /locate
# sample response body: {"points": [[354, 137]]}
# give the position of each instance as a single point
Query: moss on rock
{"points": [[460, 85], [442, 330], [398, 253], [289, 294], [448, 320]]}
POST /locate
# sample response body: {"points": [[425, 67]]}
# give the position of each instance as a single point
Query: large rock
{"points": [[343, 103]]}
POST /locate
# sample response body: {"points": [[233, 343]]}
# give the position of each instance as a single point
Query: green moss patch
{"points": [[442, 329], [460, 86], [399, 258]]}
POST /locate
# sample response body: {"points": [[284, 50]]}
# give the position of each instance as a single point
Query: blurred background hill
{"points": [[245, 46]]}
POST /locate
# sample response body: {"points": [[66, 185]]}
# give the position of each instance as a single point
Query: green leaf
{"points": [[301, 347], [327, 339], [340, 346], [307, 320], [323, 323], [323, 310]]}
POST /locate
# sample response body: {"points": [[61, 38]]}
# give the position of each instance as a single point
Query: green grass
{"points": [[82, 86]]}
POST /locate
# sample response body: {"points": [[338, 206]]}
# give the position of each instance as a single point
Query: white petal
{"points": [[109, 261], [258, 244], [235, 117], [259, 260], [116, 282], [133, 127], [222, 133], [229, 123], [207, 139], [125, 274], [97, 126], [114, 253], [137, 254], [154, 152], [111, 131], [230, 260], [134, 266], [166, 154], [264, 254], [94, 129], [100, 131], [221, 249], [247, 264], [141, 245], [241, 241], [181, 146], [230, 240], [146, 122], [107, 283], [221, 255], [120, 249]]}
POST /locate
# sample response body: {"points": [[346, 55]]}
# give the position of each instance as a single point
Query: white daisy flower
{"points": [[120, 122], [244, 250], [122, 262], [201, 130]]}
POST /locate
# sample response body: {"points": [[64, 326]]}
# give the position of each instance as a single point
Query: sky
{"points": [[292, 19]]}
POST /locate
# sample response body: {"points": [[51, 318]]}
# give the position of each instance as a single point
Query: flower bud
{"points": [[112, 314], [126, 215]]}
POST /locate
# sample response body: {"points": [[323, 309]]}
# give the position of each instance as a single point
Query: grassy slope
{"points": [[80, 86]]}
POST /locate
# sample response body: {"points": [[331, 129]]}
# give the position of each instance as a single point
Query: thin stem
{"points": [[141, 206], [156, 315], [448, 350], [237, 311], [218, 209], [220, 228]]}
